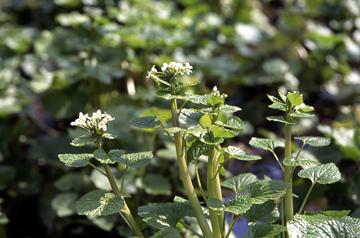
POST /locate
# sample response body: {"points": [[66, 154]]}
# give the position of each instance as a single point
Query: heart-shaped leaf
{"points": [[266, 144], [99, 203], [239, 204], [322, 174], [314, 140], [239, 182]]}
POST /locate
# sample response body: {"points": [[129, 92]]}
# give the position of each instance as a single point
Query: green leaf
{"points": [[266, 144], [305, 160], [323, 226], [83, 140], [322, 174], [205, 121], [99, 203], [229, 108], [265, 190], [301, 114], [239, 154], [156, 184], [266, 212], [146, 122], [163, 215], [239, 182], [101, 156], [198, 99], [239, 205], [265, 230], [220, 132], [167, 232], [189, 118], [232, 123], [75, 160], [314, 140], [215, 100], [196, 149], [135, 160], [295, 98], [280, 119], [215, 204], [64, 204]]}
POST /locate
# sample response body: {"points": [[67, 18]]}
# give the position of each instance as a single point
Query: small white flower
{"points": [[97, 122], [176, 69]]}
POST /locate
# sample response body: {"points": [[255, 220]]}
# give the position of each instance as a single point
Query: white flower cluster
{"points": [[170, 70], [97, 122], [217, 93]]}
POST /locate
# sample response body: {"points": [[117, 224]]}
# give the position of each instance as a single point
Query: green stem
{"points": [[306, 198], [214, 191], [278, 160], [185, 177], [289, 207], [124, 211], [198, 180], [232, 224]]}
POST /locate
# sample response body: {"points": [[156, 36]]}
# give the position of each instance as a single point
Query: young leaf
{"points": [[83, 140], [229, 108], [232, 123], [295, 98], [314, 140], [163, 215], [239, 182], [101, 156], [220, 132], [99, 203], [280, 119], [75, 160], [265, 190], [239, 154], [239, 204], [322, 174], [135, 160], [266, 144], [205, 121], [323, 226], [146, 122]]}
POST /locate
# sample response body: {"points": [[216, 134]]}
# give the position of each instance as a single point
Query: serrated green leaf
{"points": [[135, 160], [64, 204], [265, 190], [265, 230], [301, 114], [280, 119], [75, 160], [295, 98], [101, 156], [163, 215], [156, 184], [146, 122], [239, 205], [239, 182], [266, 144], [198, 99], [314, 140], [83, 140], [99, 203], [215, 204], [189, 118], [232, 123], [239, 154], [196, 149], [215, 100], [266, 212], [305, 160], [323, 226], [322, 174]]}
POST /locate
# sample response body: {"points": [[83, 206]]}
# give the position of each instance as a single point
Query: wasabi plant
{"points": [[198, 128]]}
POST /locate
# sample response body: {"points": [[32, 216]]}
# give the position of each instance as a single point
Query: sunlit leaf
{"points": [[75, 160]]}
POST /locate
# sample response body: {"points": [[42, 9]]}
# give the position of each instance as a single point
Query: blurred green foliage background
{"points": [[60, 57]]}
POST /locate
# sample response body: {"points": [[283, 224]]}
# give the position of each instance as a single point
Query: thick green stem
{"points": [[306, 198], [124, 211], [289, 207], [185, 177], [214, 191]]}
